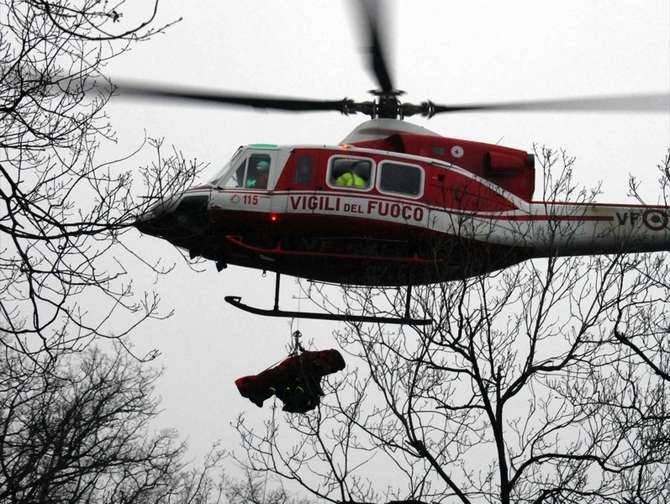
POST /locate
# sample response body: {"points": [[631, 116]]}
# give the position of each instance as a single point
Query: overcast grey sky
{"points": [[444, 51]]}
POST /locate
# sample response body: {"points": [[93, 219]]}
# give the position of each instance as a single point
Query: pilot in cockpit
{"points": [[258, 175]]}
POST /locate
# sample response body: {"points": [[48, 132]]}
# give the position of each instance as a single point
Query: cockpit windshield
{"points": [[223, 173]]}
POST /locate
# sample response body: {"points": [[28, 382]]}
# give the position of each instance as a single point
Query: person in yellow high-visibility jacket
{"points": [[351, 179]]}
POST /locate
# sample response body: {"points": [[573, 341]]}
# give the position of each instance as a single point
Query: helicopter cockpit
{"points": [[253, 167]]}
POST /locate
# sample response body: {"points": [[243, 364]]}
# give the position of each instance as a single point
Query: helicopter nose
{"points": [[156, 218], [178, 216]]}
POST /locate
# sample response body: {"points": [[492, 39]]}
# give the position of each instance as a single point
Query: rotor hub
{"points": [[388, 106]]}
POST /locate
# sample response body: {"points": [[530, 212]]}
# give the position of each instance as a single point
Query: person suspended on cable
{"points": [[296, 381]]}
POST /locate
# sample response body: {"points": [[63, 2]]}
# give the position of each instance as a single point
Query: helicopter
{"points": [[392, 204]]}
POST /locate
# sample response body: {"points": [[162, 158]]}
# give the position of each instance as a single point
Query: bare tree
{"points": [[648, 341], [256, 488], [62, 209], [77, 429], [528, 388]]}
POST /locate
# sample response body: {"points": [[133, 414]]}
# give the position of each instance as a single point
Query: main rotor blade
{"points": [[372, 14], [649, 102], [130, 89]]}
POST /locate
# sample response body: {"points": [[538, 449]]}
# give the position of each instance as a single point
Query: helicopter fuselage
{"points": [[415, 208]]}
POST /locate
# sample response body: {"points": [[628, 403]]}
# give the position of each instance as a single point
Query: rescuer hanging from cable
{"points": [[296, 381]]}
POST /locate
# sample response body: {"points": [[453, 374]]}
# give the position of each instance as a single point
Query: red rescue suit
{"points": [[296, 381]]}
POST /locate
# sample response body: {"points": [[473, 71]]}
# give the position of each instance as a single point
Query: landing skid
{"points": [[236, 301]]}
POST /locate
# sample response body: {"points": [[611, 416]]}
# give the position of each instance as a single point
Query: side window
{"points": [[355, 173], [303, 170], [237, 179], [258, 172], [400, 178]]}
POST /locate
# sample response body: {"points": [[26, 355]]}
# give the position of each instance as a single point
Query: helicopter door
{"points": [[247, 183], [300, 177], [260, 174]]}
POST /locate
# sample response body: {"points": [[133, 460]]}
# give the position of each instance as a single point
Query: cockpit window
{"points": [[250, 173], [303, 170], [258, 172], [349, 172]]}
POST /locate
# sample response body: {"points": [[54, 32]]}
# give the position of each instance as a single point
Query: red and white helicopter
{"points": [[393, 203]]}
